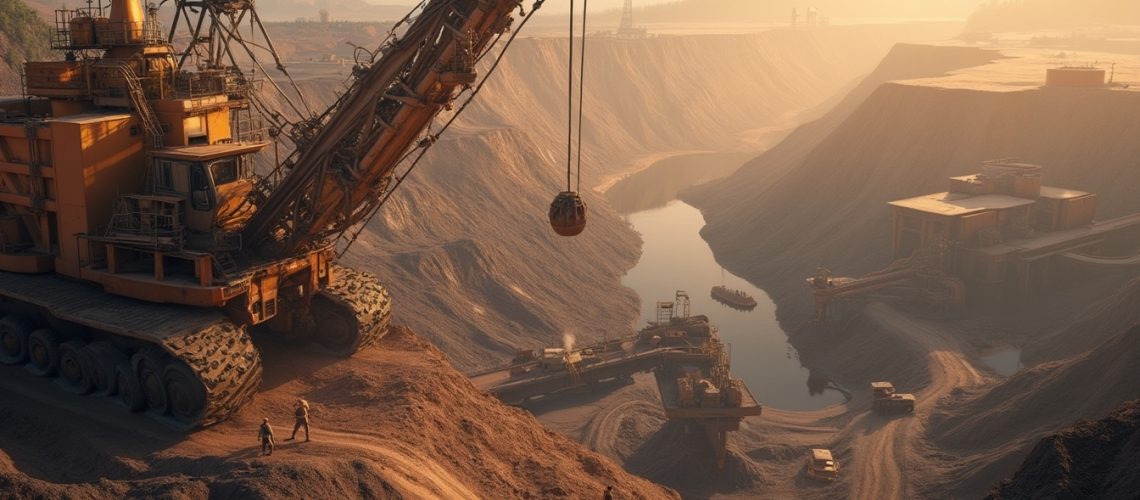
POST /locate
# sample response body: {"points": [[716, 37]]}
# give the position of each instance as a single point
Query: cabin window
{"points": [[225, 171], [164, 176], [199, 188], [195, 127]]}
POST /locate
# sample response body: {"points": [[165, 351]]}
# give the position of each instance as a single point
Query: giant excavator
{"points": [[139, 246]]}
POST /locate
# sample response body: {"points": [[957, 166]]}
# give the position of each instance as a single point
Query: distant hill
{"points": [[23, 36], [753, 11], [1025, 15]]}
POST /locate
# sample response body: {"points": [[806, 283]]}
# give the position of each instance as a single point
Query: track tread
{"points": [[227, 363], [369, 301]]}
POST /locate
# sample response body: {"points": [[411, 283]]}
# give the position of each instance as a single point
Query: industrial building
{"points": [[1003, 230]]}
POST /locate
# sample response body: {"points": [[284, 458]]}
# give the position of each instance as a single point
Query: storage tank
{"points": [[1074, 77], [104, 34], [82, 29]]}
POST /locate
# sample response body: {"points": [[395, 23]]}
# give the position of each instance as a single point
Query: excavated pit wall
{"points": [[473, 250]]}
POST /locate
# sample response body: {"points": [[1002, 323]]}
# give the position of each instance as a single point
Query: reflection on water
{"points": [[1006, 361], [674, 257]]}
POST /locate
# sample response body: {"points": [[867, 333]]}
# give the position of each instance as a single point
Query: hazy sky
{"points": [[555, 5], [849, 7]]}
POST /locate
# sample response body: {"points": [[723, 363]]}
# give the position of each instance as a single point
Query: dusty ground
{"points": [[881, 454], [394, 422], [397, 420]]}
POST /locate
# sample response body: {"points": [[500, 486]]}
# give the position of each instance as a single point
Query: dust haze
{"points": [[904, 235]]}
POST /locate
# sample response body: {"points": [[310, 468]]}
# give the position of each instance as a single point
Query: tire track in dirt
{"points": [[602, 431], [411, 472]]}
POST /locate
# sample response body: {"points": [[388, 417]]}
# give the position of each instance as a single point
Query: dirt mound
{"points": [[396, 421], [1092, 459]]}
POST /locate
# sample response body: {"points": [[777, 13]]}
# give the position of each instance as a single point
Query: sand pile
{"points": [[396, 421], [1092, 459]]}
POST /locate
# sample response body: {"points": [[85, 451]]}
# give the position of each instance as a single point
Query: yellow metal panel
{"points": [[97, 159]]}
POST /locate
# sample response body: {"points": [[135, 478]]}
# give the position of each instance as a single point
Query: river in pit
{"points": [[675, 257]]}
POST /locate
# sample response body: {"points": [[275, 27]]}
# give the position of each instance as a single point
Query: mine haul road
{"points": [[884, 446]]}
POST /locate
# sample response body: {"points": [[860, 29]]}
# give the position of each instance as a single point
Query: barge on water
{"points": [[733, 298]]}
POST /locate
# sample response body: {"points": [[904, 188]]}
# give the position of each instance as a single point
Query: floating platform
{"points": [[689, 362], [735, 299]]}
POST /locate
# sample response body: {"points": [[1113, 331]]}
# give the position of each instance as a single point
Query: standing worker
{"points": [[265, 434], [302, 415], [609, 494]]}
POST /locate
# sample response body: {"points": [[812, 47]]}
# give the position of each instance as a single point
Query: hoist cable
{"points": [[581, 89], [570, 100]]}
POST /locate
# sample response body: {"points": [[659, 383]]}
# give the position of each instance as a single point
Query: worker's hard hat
{"points": [[266, 419]]}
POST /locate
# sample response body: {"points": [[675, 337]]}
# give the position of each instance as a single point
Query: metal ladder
{"points": [[139, 102], [224, 264]]}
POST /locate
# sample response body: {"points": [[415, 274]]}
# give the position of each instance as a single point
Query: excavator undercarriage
{"points": [[140, 250]]}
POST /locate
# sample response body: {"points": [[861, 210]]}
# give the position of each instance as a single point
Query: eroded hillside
{"points": [[904, 139], [472, 248], [23, 37]]}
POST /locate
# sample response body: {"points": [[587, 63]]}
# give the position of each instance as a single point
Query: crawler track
{"points": [[186, 367], [352, 313]]}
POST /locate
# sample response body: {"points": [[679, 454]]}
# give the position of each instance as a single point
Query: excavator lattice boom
{"points": [[140, 251]]}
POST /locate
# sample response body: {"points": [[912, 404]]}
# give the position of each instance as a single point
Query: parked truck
{"points": [[888, 401]]}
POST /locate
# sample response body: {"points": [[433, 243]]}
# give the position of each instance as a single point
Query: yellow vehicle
{"points": [[886, 400], [821, 465], [139, 248]]}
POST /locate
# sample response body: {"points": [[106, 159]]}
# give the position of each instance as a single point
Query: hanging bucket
{"points": [[568, 214]]}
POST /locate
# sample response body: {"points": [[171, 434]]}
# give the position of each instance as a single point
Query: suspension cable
{"points": [[429, 141], [570, 100], [581, 89]]}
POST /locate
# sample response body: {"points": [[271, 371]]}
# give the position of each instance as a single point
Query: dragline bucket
{"points": [[568, 214]]}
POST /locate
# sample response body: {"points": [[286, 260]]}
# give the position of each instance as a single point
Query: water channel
{"points": [[675, 257]]}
